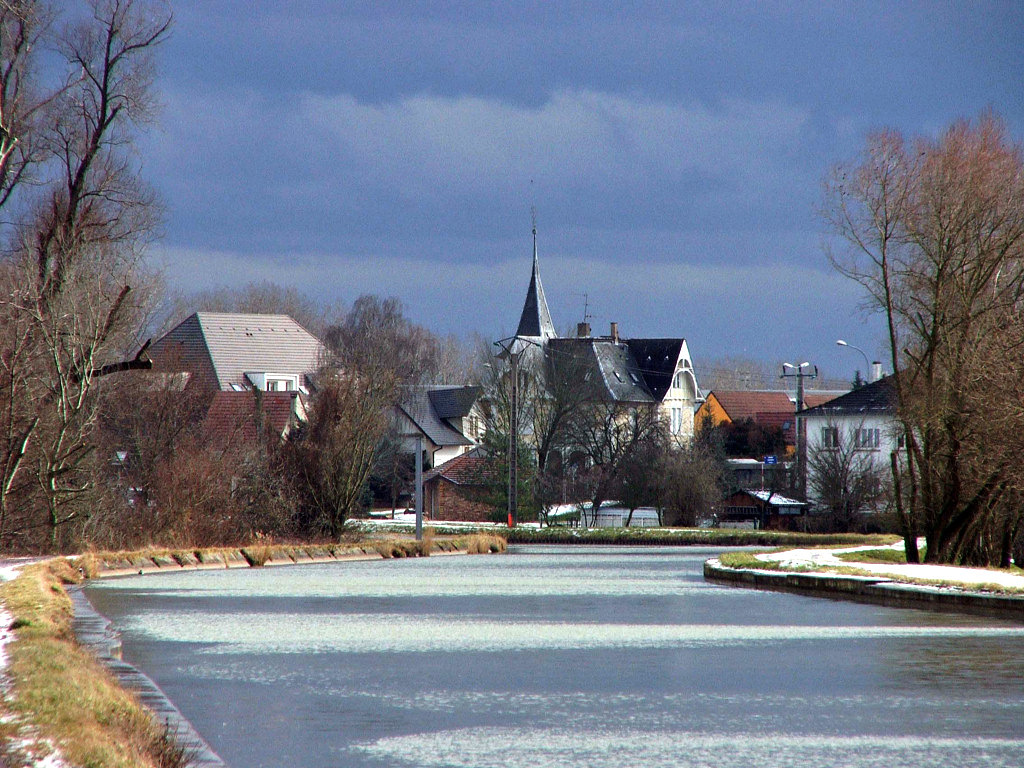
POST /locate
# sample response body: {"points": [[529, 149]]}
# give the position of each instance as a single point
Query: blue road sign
{"points": [[771, 460]]}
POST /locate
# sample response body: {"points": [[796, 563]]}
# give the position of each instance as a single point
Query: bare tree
{"points": [[694, 483], [609, 435], [332, 456], [935, 230], [846, 483], [75, 247], [376, 334]]}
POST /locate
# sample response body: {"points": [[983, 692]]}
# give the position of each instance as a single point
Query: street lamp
{"points": [[867, 363]]}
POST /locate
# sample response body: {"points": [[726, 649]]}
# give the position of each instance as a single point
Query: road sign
{"points": [[771, 460]]}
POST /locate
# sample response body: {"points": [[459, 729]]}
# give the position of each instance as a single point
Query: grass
{"points": [[63, 693], [716, 537], [407, 547], [874, 556], [485, 543], [748, 560], [257, 555]]}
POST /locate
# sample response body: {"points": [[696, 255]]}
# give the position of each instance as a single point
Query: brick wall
{"points": [[446, 501]]}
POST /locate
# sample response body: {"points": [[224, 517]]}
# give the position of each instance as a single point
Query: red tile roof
{"points": [[471, 468], [747, 404], [766, 404], [812, 400], [233, 417]]}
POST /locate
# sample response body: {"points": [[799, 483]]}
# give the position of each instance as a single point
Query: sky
{"points": [[674, 154]]}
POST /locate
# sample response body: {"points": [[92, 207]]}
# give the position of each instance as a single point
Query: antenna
{"points": [[587, 317], [533, 209]]}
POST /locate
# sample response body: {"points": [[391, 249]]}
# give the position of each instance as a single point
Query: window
{"points": [[273, 382], [867, 439], [676, 421], [830, 438]]}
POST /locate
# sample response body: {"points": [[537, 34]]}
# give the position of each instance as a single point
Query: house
{"points": [[652, 372], [770, 409], [761, 509], [863, 420], [246, 416], [449, 419], [250, 368], [455, 489]]}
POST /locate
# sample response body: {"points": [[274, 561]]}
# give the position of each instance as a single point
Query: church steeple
{"points": [[535, 321]]}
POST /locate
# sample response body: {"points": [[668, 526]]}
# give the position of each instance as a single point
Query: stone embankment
{"points": [[880, 590], [98, 565]]}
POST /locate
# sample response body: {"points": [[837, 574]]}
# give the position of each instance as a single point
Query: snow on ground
{"points": [[826, 558], [26, 745]]}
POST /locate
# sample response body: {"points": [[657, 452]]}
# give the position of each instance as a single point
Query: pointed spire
{"points": [[536, 318]]}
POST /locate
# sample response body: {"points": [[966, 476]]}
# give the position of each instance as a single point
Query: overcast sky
{"points": [[674, 154]]}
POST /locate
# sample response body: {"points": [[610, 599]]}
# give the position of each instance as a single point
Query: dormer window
{"points": [[273, 382]]}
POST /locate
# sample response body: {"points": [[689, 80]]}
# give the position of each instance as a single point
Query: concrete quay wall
{"points": [[871, 589]]}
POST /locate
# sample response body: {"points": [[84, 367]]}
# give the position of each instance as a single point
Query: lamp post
{"points": [[867, 363], [513, 348], [797, 371]]}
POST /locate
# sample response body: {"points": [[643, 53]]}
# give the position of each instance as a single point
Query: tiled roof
{"points": [[606, 368], [454, 402], [232, 416], [224, 346], [535, 320], [813, 399], [418, 404], [656, 361], [757, 404], [784, 421], [471, 468], [878, 397], [747, 404]]}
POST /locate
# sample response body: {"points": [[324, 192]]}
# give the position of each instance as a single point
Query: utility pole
{"points": [[419, 487], [513, 348], [797, 371]]}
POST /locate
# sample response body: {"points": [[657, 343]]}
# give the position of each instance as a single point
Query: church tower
{"points": [[535, 322]]}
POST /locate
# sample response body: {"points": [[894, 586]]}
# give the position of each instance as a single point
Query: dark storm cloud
{"points": [[675, 155]]}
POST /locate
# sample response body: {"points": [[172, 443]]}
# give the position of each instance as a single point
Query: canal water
{"points": [[564, 657]]}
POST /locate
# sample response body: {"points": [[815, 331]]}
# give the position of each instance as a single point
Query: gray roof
{"points": [[607, 368], [876, 397], [224, 346], [536, 318], [425, 406], [454, 402], [656, 360]]}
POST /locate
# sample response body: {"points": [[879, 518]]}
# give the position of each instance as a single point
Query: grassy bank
{"points": [[708, 537], [60, 696], [750, 561], [264, 552]]}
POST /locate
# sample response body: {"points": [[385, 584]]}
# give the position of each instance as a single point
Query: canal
{"points": [[564, 657]]}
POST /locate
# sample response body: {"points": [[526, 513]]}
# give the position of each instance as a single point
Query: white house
{"points": [[449, 419], [655, 371], [862, 420]]}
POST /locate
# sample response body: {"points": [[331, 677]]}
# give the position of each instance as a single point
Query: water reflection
{"points": [[556, 657]]}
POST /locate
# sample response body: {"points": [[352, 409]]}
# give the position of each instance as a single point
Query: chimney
{"points": [[582, 330], [876, 371], [615, 333]]}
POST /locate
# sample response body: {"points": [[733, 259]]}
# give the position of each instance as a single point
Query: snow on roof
{"points": [[775, 499]]}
